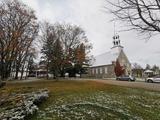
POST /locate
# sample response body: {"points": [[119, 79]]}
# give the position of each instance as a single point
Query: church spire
{"points": [[116, 41], [116, 38]]}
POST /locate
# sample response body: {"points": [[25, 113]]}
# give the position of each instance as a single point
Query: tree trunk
{"points": [[17, 70], [22, 71], [47, 69], [27, 70], [2, 69]]}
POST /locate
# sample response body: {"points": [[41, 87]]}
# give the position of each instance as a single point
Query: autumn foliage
{"points": [[65, 49], [119, 70], [18, 30]]}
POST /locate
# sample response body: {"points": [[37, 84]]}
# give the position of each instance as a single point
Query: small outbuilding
{"points": [[149, 73]]}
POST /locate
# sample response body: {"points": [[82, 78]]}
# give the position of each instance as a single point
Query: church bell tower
{"points": [[116, 41], [116, 44], [117, 48]]}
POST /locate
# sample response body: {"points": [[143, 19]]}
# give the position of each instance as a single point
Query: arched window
{"points": [[106, 70], [116, 42]]}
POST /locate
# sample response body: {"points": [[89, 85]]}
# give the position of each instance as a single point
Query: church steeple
{"points": [[116, 42], [116, 38]]}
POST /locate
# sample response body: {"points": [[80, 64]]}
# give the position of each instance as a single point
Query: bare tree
{"points": [[28, 63], [141, 15], [18, 30], [72, 36], [60, 44]]}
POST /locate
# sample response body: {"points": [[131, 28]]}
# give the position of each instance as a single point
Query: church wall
{"points": [[106, 71], [122, 58], [116, 52]]}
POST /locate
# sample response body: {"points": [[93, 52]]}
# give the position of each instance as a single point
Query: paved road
{"points": [[144, 85], [137, 84]]}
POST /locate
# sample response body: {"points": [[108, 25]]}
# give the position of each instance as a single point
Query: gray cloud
{"points": [[90, 16]]}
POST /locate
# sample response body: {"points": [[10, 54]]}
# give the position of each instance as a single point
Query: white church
{"points": [[103, 65]]}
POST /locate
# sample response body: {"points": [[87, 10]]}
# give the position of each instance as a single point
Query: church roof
{"points": [[104, 59], [111, 56]]}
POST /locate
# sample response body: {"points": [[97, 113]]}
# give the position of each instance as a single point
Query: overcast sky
{"points": [[90, 15]]}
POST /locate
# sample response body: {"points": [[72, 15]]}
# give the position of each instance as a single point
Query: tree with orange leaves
{"points": [[73, 47], [80, 59], [119, 70], [19, 28]]}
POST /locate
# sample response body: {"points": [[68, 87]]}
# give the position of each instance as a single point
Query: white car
{"points": [[153, 79]]}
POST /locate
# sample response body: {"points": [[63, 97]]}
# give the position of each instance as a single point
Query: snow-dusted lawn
{"points": [[87, 100]]}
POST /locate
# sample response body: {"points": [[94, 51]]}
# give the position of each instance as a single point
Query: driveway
{"points": [[144, 85]]}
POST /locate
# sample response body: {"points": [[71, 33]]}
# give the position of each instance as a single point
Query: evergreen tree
{"points": [[65, 47], [57, 58]]}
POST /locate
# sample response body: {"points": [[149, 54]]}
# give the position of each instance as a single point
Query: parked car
{"points": [[126, 78], [153, 79]]}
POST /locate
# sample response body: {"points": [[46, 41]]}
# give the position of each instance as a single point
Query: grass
{"points": [[88, 100]]}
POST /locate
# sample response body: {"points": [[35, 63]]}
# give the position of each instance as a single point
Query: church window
{"points": [[92, 71], [96, 70], [101, 70], [116, 42], [106, 70]]}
